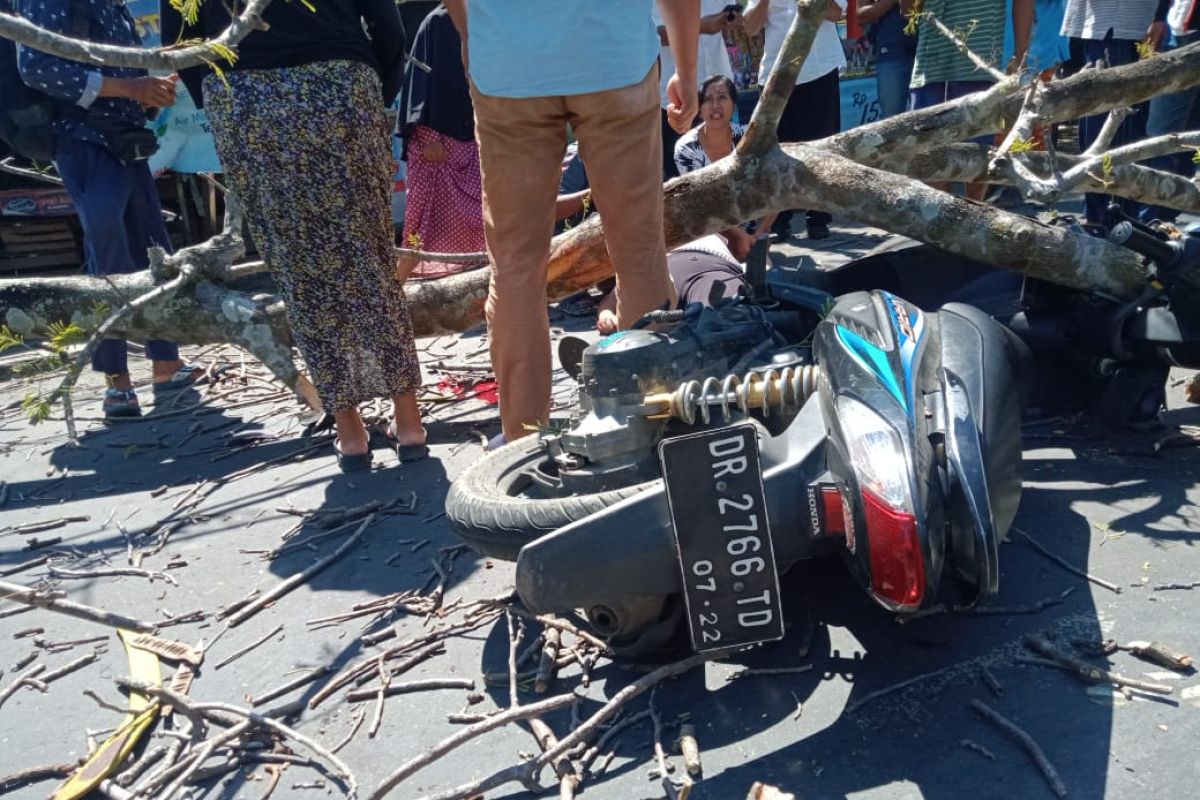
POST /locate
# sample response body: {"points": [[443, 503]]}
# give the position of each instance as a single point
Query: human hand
{"points": [[606, 322], [1156, 34], [740, 243], [153, 92], [683, 103], [434, 151], [834, 13]]}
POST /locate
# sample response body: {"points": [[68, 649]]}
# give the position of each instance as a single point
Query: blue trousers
{"points": [[1172, 113], [892, 76], [121, 216], [1109, 52]]}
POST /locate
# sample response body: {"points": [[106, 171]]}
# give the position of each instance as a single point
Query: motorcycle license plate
{"points": [[719, 512]]}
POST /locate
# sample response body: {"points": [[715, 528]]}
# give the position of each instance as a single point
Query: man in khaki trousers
{"points": [[537, 66]]}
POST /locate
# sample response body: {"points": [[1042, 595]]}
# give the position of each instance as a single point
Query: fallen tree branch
{"points": [[1112, 587], [256, 643], [220, 713], [1090, 672], [281, 589], [171, 59], [467, 734], [526, 773], [1027, 741], [24, 594]]}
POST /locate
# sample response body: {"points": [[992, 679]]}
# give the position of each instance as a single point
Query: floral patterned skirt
{"points": [[307, 152]]}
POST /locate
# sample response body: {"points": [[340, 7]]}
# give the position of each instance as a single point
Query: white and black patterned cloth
{"points": [[689, 153]]}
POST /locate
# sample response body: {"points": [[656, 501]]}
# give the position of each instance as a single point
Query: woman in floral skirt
{"points": [[300, 126]]}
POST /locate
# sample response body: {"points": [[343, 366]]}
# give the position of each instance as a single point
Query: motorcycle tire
{"points": [[487, 511]]}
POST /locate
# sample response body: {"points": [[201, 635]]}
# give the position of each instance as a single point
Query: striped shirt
{"points": [[1091, 19], [980, 23]]}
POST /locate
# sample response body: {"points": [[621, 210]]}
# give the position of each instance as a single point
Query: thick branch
{"points": [[969, 162], [762, 133], [26, 33]]}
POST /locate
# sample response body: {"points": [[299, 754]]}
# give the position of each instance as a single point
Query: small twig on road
{"points": [[20, 681], [1112, 587], [467, 734], [24, 594], [759, 671], [978, 748], [1027, 741], [291, 583], [1087, 671], [256, 643]]}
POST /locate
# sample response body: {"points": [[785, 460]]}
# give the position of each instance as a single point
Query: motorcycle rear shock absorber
{"points": [[768, 391]]}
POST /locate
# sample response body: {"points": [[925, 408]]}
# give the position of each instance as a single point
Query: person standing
{"points": [[1107, 33], [536, 67], [712, 58], [942, 72], [101, 144], [814, 109], [1175, 112], [444, 209], [894, 50], [304, 138]]}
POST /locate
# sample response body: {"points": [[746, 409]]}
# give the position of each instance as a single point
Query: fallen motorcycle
{"points": [[708, 457]]}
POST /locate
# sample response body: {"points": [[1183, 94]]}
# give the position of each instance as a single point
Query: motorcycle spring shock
{"points": [[768, 391]]}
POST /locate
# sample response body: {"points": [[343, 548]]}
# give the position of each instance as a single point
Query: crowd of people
{"points": [[488, 92]]}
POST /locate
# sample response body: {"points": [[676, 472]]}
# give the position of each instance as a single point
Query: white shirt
{"points": [[826, 53], [1091, 19], [711, 56]]}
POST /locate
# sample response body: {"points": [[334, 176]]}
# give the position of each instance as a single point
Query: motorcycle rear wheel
{"points": [[497, 507]]}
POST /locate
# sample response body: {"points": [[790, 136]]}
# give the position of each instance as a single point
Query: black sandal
{"points": [[352, 463], [407, 453]]}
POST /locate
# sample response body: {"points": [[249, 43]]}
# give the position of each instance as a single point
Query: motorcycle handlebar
{"points": [[1157, 250]]}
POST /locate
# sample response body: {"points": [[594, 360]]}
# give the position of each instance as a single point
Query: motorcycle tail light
{"points": [[896, 559], [831, 502], [897, 563]]}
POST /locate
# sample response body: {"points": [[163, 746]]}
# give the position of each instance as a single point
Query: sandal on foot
{"points": [[185, 376], [352, 463], [405, 452], [121, 403]]}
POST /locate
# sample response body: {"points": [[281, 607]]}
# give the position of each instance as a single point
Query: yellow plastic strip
{"points": [[143, 666]]}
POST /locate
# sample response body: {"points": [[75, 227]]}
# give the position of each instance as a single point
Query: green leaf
{"points": [[9, 339], [65, 334], [36, 407]]}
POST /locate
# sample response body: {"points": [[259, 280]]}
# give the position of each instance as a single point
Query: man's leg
{"points": [[619, 139], [521, 147], [96, 183], [822, 104], [1109, 52], [892, 77], [146, 229], [791, 123]]}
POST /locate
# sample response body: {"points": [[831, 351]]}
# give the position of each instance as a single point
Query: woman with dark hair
{"points": [[716, 137], [301, 127]]}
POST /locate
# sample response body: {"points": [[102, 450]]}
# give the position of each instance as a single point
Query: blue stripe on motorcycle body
{"points": [[910, 329], [873, 360]]}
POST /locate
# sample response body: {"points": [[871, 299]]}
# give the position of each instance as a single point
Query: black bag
{"points": [[27, 114], [126, 140]]}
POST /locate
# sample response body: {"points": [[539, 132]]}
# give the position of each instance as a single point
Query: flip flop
{"points": [[407, 453], [352, 463], [185, 376]]}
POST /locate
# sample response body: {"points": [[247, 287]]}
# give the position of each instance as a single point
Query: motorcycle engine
{"points": [[613, 441]]}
